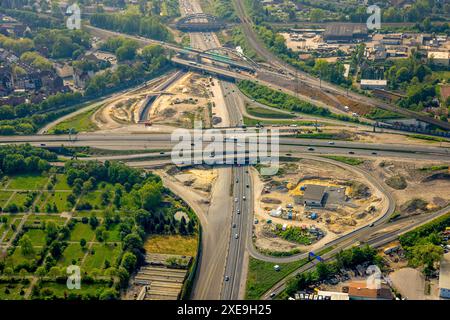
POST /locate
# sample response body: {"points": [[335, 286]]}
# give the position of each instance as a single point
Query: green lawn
{"points": [[172, 244], [72, 252], [12, 291], [18, 258], [47, 217], [4, 196], [60, 290], [346, 160], [79, 123], [253, 122], [262, 276], [82, 231], [56, 197], [266, 113], [94, 198], [27, 182], [19, 199], [61, 183], [114, 233], [10, 232], [37, 236], [102, 252]]}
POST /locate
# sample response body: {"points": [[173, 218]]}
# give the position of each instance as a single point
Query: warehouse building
{"points": [[439, 58], [314, 195], [345, 32], [370, 84]]}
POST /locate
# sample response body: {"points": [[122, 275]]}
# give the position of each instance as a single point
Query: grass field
{"points": [[47, 217], [12, 291], [61, 183], [37, 236], [72, 252], [94, 198], [58, 198], [20, 198], [254, 122], [262, 276], [102, 253], [10, 231], [27, 182], [60, 290], [172, 244], [79, 123], [4, 196], [82, 231], [428, 138], [346, 160], [17, 257], [266, 113]]}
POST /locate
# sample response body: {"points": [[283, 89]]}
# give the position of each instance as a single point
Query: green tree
{"points": [[26, 246]]}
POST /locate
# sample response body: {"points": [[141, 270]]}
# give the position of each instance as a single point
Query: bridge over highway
{"points": [[200, 22]]}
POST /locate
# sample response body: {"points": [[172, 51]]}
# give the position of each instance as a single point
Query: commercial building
{"points": [[444, 277], [360, 291], [314, 195], [345, 32], [370, 84]]}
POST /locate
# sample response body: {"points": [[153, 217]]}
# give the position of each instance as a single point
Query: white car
{"points": [[236, 236], [235, 199], [331, 142], [243, 198]]}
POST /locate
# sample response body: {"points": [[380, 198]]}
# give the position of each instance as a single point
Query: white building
{"points": [[444, 277], [369, 84], [439, 57]]}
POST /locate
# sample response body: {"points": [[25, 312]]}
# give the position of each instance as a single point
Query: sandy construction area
{"points": [[424, 180], [362, 203], [188, 100]]}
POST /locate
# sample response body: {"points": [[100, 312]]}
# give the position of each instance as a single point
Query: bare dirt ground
{"points": [[188, 100], [199, 181], [431, 186], [282, 190], [410, 283]]}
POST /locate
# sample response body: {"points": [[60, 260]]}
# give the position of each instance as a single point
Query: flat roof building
{"points": [[439, 57], [345, 32], [314, 195], [444, 277], [369, 84]]}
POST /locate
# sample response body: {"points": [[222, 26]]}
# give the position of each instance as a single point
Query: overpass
{"points": [[200, 22]]}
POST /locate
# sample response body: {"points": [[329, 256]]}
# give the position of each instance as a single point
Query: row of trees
{"points": [[148, 64], [132, 23], [282, 100], [345, 259], [24, 158]]}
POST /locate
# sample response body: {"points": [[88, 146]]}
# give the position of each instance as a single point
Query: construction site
{"points": [[309, 203]]}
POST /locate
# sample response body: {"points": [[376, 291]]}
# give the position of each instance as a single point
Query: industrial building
{"points": [[370, 84], [314, 195], [444, 277], [360, 291], [439, 58], [345, 32]]}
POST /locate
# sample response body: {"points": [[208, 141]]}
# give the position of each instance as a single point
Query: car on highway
{"points": [[371, 225], [243, 198], [331, 142], [289, 154], [272, 294], [351, 152], [374, 153], [42, 144], [236, 236], [234, 225], [310, 149], [238, 211], [227, 278], [161, 152], [235, 199], [248, 186]]}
